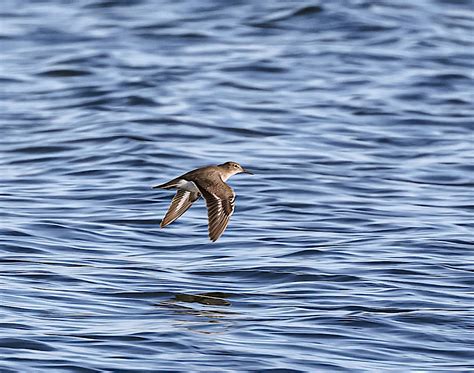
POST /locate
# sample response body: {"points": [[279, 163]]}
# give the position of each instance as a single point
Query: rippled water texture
{"points": [[351, 249]]}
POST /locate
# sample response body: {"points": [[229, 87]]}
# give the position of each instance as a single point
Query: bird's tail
{"points": [[169, 185]]}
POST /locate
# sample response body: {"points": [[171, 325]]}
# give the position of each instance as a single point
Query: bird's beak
{"points": [[245, 171]]}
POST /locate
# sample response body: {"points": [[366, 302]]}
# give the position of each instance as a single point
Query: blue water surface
{"points": [[351, 248]]}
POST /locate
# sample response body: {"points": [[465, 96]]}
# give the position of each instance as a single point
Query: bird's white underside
{"points": [[188, 186]]}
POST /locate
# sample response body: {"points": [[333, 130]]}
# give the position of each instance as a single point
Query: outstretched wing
{"points": [[220, 201], [181, 202], [219, 212]]}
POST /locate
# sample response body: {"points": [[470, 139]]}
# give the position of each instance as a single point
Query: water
{"points": [[351, 249]]}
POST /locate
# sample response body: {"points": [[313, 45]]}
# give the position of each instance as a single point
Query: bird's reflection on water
{"points": [[200, 320], [210, 299]]}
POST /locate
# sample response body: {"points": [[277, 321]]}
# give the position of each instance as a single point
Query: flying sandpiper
{"points": [[210, 182]]}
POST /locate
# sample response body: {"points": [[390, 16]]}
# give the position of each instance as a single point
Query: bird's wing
{"points": [[220, 201], [181, 202]]}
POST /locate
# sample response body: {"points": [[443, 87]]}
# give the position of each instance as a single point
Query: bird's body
{"points": [[210, 182]]}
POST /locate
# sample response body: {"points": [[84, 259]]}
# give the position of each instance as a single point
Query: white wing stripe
{"points": [[182, 201]]}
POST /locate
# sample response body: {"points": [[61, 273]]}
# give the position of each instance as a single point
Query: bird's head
{"points": [[232, 168]]}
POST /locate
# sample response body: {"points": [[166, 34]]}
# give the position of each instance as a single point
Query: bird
{"points": [[209, 182]]}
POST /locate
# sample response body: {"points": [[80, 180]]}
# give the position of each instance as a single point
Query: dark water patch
{"points": [[64, 73], [111, 4], [15, 326], [24, 344], [7, 80], [241, 86], [140, 101], [69, 368], [43, 149], [36, 159], [277, 17], [261, 66]]}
